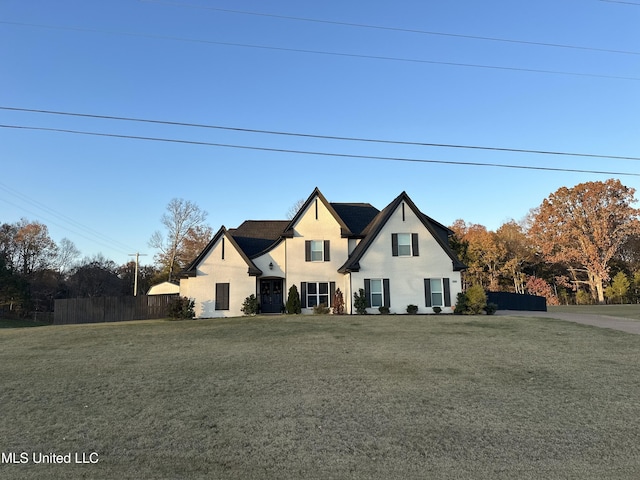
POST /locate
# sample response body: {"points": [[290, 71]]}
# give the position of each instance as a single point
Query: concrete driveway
{"points": [[602, 321]]}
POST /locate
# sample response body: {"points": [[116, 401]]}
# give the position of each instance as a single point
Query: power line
{"points": [[323, 137], [619, 1], [398, 29], [329, 53], [325, 154], [98, 235]]}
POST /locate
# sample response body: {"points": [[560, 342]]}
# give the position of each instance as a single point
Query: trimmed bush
{"points": [[437, 310], [360, 302], [321, 309], [412, 309], [250, 305], [338, 303], [293, 301], [383, 310], [182, 308], [491, 308]]}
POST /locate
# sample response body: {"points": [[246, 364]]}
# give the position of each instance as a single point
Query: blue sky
{"points": [[191, 61]]}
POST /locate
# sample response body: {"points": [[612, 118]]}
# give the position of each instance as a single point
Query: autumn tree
{"points": [[518, 254], [34, 248], [619, 287], [483, 254], [181, 217], [584, 227]]}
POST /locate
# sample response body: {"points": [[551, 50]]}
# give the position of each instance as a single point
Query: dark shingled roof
{"points": [[255, 236], [356, 215]]}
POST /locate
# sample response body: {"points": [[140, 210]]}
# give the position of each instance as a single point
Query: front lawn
{"points": [[631, 311], [297, 397]]}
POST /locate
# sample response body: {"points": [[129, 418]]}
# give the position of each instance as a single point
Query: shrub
{"points": [[491, 308], [321, 309], [437, 310], [360, 302], [476, 299], [383, 310], [293, 301], [462, 303], [182, 308], [338, 303], [412, 309], [250, 305]]}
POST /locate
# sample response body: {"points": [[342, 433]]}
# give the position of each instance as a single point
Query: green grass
{"points": [[631, 311], [324, 397]]}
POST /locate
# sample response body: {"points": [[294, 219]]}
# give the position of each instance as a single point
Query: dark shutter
{"points": [[367, 291], [394, 244], [326, 250], [303, 295], [414, 244], [222, 296], [307, 250], [332, 292], [222, 248], [447, 292], [387, 295], [427, 291]]}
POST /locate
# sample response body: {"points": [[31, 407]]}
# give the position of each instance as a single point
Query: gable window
{"points": [[404, 244], [317, 250], [222, 296], [376, 291], [315, 293], [437, 292]]}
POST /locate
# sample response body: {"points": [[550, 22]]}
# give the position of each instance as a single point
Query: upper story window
{"points": [[404, 244], [317, 250]]}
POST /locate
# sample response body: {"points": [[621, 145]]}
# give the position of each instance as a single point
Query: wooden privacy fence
{"points": [[111, 309]]}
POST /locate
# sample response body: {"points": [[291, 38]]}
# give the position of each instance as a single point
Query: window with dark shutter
{"points": [[447, 292], [222, 296]]}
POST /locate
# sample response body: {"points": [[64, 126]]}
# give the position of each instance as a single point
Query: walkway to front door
{"points": [[271, 295]]}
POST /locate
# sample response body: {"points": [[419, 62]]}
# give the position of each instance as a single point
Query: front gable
{"points": [[222, 252], [401, 230]]}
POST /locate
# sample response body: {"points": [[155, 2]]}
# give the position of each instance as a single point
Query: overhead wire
{"points": [[95, 237], [328, 53], [317, 153], [396, 29], [317, 136]]}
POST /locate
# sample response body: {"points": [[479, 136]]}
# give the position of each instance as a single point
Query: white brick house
{"points": [[399, 256]]}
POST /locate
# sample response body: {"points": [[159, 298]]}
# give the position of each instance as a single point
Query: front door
{"points": [[271, 295]]}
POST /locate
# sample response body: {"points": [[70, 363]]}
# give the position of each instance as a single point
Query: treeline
{"points": [[35, 271], [580, 246]]}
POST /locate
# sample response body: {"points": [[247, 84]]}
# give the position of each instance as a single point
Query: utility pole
{"points": [[135, 281]]}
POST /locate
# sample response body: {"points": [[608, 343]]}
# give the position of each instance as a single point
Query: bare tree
{"points": [[293, 209], [181, 217], [66, 255]]}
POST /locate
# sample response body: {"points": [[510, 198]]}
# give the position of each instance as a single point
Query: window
{"points": [[222, 296], [376, 291], [316, 250], [404, 244], [317, 293], [437, 292]]}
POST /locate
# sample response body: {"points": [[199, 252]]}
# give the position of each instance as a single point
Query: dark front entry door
{"points": [[271, 295]]}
